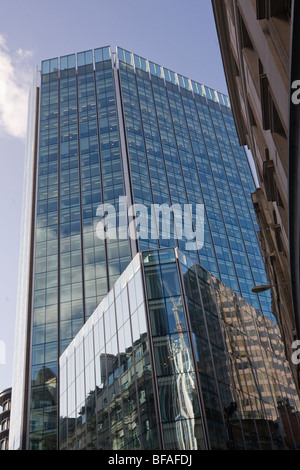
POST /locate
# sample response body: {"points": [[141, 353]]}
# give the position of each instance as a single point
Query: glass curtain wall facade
{"points": [[79, 167], [111, 126], [183, 149], [173, 359]]}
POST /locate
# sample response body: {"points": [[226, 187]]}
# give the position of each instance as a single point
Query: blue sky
{"points": [[179, 35]]}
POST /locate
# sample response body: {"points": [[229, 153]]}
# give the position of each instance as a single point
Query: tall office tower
{"points": [[109, 131], [260, 49]]}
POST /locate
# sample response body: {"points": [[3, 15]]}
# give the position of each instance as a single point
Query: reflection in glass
{"points": [[207, 354]]}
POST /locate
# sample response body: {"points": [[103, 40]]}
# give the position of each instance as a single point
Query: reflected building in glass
{"points": [[105, 128], [172, 359]]}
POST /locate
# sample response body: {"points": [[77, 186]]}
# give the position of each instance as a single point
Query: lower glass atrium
{"points": [[173, 359]]}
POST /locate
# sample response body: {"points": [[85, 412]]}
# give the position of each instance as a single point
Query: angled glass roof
{"points": [[161, 72], [104, 53]]}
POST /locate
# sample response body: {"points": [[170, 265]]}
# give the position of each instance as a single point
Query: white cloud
{"points": [[23, 53], [15, 79]]}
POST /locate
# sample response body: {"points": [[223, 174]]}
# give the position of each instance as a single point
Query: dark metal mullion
{"points": [[80, 200], [119, 360], [106, 375], [104, 244], [126, 181], [134, 365], [101, 320], [94, 375], [58, 261], [81, 236], [101, 180], [67, 401]]}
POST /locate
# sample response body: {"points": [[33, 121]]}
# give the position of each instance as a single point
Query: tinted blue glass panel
{"points": [[85, 58], [156, 70], [170, 76], [102, 54], [141, 63], [45, 66], [67, 62], [125, 56]]}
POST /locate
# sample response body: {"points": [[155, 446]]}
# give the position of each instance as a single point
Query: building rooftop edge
{"points": [[92, 56]]}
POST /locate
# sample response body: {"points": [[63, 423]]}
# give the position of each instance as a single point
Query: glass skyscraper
{"points": [[103, 128]]}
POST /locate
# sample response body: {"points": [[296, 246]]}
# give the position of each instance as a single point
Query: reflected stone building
{"points": [[259, 43], [105, 128], [173, 359]]}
